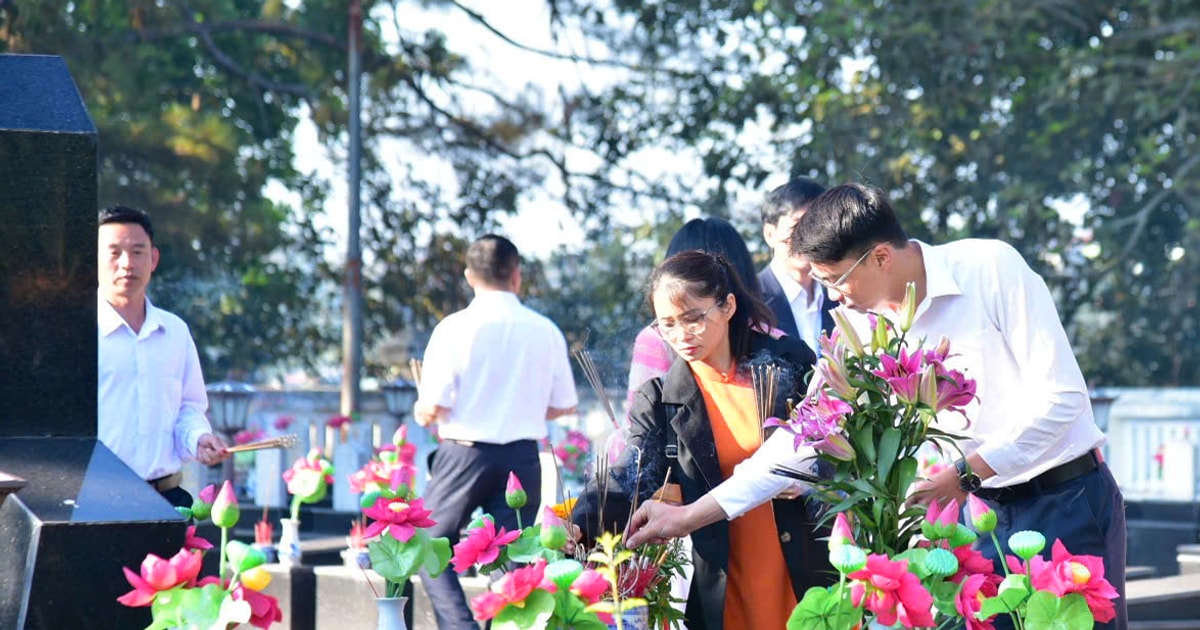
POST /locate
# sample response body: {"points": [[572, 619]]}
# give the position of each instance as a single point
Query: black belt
{"points": [[166, 482], [1044, 482], [469, 443]]}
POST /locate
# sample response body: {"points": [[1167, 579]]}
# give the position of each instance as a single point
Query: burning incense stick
{"points": [[584, 358], [764, 378], [283, 441]]}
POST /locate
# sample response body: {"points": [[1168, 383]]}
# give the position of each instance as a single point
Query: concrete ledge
{"points": [[1173, 599]]}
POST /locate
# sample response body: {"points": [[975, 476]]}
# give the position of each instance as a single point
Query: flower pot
{"points": [[635, 619], [391, 613], [289, 542]]}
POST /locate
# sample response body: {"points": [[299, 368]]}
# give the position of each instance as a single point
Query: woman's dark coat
{"points": [[674, 406]]}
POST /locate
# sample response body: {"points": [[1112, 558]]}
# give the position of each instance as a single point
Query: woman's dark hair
{"points": [[699, 275], [717, 236], [846, 221]]}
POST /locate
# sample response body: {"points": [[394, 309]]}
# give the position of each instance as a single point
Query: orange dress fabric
{"points": [[758, 590]]}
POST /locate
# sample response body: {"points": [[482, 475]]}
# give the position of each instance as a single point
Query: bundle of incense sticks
{"points": [[283, 441], [584, 358], [414, 366], [764, 378]]}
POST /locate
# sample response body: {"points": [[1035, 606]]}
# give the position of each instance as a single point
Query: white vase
{"points": [[635, 619], [289, 542], [391, 613], [353, 558]]}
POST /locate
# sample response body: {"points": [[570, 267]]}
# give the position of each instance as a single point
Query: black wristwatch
{"points": [[968, 481]]}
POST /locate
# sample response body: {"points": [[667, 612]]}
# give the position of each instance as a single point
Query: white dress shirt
{"points": [[150, 392], [497, 365], [805, 305], [1032, 412]]}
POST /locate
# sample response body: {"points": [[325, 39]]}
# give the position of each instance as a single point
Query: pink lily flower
{"points": [[481, 546], [159, 575], [398, 518]]}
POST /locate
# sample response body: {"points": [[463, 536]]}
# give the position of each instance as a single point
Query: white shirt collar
{"points": [[791, 288], [109, 320]]}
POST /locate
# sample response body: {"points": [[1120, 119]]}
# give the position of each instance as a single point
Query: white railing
{"points": [[1153, 437]]}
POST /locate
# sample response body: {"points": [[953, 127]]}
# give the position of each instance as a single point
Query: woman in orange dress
{"points": [[700, 420]]}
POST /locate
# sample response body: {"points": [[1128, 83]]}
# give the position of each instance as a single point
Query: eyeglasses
{"points": [[691, 322], [837, 283]]}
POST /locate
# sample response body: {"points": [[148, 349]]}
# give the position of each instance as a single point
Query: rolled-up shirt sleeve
{"points": [[191, 422], [753, 483]]}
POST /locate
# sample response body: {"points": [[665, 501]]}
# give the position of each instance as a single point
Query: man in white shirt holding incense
{"points": [[493, 374], [151, 397], [1032, 446]]}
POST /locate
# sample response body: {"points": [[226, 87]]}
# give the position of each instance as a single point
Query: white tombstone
{"points": [[1179, 470], [269, 465]]}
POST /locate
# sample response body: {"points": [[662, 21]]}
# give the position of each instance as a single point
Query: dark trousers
{"points": [[1087, 514], [177, 497], [464, 478]]}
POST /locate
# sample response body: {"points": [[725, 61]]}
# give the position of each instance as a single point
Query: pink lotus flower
{"points": [[264, 609], [399, 518], [940, 523], [192, 542], [337, 422], [887, 588], [283, 422], [1066, 573], [482, 545], [969, 601], [513, 588], [158, 575], [972, 562], [983, 519], [208, 494], [514, 494], [225, 511], [591, 586]]}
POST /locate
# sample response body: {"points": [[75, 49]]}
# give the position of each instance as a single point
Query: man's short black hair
{"points": [[844, 222], [125, 214], [789, 198], [493, 259]]}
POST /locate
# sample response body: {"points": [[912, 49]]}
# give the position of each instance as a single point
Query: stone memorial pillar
{"points": [[84, 514]]}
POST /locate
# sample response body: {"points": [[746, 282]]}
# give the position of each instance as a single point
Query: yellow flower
{"points": [[563, 510], [256, 579]]}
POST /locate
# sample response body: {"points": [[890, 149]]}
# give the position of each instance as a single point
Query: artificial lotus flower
{"points": [[842, 533], [971, 562], [513, 588], [591, 586], [969, 601], [553, 533], [264, 609], [399, 518], [158, 574], [983, 518], [482, 545], [1066, 573], [888, 589], [192, 542], [202, 504], [940, 523], [225, 511], [514, 494]]}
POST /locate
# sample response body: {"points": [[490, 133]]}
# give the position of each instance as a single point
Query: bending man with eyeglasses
{"points": [[1032, 445]]}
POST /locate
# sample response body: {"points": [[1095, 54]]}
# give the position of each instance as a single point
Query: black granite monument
{"points": [[84, 514]]}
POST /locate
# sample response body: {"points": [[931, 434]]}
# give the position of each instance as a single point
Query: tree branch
{"points": [[257, 26]]}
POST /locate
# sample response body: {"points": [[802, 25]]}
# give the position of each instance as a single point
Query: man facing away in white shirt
{"points": [[1032, 446], [494, 373], [150, 392]]}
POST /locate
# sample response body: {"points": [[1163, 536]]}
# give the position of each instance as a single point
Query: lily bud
{"points": [[514, 494], [846, 331], [908, 308]]}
